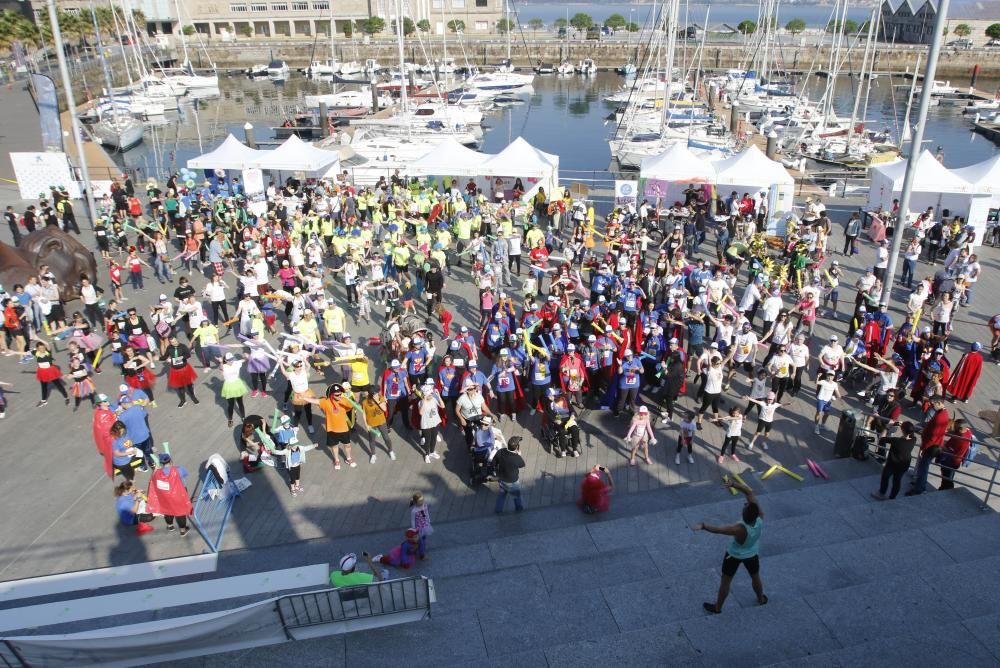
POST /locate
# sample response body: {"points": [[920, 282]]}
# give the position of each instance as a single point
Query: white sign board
{"points": [[626, 192], [35, 172], [253, 181]]}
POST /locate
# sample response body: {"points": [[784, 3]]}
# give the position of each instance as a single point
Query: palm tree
{"points": [[15, 27]]}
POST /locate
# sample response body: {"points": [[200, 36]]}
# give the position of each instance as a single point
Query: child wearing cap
{"points": [[765, 417], [640, 434], [294, 454]]}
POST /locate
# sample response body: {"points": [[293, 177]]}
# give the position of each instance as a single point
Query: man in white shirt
{"points": [[89, 294], [882, 261], [770, 309], [971, 273], [826, 390], [744, 353], [799, 352]]}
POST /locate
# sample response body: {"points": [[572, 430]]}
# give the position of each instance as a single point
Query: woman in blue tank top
{"points": [[743, 549]]}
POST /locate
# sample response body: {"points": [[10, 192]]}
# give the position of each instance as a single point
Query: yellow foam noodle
{"points": [[770, 472], [97, 357], [739, 479], [732, 491], [790, 474]]}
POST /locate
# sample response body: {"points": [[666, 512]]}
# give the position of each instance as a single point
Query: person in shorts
{"points": [[826, 391], [743, 550], [765, 417]]}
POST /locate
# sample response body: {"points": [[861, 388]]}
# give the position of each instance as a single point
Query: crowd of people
{"points": [[657, 306]]}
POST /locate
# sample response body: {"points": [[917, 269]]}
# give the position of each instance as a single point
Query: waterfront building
{"points": [[912, 21]]}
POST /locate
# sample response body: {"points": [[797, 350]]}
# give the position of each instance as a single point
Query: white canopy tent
{"points": [[933, 185], [295, 155], [230, 154], [665, 176], [449, 158], [520, 160], [984, 177], [751, 171]]}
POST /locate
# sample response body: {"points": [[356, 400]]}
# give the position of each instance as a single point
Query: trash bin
{"points": [[846, 432]]}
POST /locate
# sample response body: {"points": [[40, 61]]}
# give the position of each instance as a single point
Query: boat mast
{"points": [[671, 46], [106, 70], [402, 67], [184, 43], [857, 98]]}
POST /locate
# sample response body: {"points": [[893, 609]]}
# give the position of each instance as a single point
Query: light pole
{"points": [[915, 147], [628, 28], [71, 106]]}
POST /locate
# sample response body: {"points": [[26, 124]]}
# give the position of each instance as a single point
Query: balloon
{"points": [[189, 183]]}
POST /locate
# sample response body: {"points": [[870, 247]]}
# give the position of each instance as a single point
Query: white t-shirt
{"points": [[825, 389], [713, 380], [744, 344], [799, 353], [231, 370], [781, 365], [889, 379], [429, 415], [688, 428], [830, 355], [883, 258], [88, 294], [734, 426], [767, 412], [770, 308], [758, 389], [470, 407]]}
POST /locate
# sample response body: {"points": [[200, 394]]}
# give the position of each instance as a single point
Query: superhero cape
{"points": [[966, 375], [594, 494], [166, 494], [385, 377], [638, 334], [103, 419], [917, 393], [570, 362]]}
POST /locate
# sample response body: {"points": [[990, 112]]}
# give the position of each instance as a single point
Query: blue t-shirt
{"points": [[540, 374], [631, 374], [123, 506], [120, 444], [696, 332], [134, 419]]}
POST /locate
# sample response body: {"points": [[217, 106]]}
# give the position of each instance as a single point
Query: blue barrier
{"points": [[213, 507]]}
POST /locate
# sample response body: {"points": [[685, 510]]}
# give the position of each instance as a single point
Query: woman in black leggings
{"points": [[897, 461]]}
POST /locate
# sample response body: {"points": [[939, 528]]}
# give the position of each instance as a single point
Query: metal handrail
{"points": [[341, 604], [879, 452]]}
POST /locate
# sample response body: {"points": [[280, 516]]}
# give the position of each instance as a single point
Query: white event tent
{"points": [[984, 178], [751, 171], [666, 175], [230, 154], [933, 185], [449, 158], [520, 159], [295, 155]]}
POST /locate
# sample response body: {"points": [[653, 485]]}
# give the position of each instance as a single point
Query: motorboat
{"points": [[257, 71], [186, 78], [320, 68], [628, 70], [587, 66], [545, 68], [372, 66], [118, 132], [348, 99], [134, 105], [277, 70], [566, 68], [446, 66], [350, 68]]}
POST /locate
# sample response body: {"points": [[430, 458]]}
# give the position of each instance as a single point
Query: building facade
{"points": [[308, 18], [912, 21]]}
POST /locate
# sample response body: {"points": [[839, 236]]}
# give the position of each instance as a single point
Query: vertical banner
{"points": [[626, 192], [48, 112]]}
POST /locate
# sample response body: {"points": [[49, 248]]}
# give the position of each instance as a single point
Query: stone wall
{"points": [[297, 53]]}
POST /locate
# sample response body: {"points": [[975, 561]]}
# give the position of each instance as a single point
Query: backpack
{"points": [[970, 454]]}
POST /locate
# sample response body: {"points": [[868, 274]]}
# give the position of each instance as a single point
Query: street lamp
{"points": [[629, 26]]}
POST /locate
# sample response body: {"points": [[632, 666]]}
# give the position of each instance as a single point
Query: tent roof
{"points": [[930, 176], [520, 159], [230, 154], [678, 164], [751, 168], [297, 156], [449, 157], [984, 176]]}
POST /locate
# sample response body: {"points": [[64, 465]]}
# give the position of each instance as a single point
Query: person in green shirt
{"points": [[348, 576]]}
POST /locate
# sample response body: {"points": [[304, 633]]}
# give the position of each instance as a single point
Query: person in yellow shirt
{"points": [[334, 320], [374, 405], [309, 327], [205, 339], [359, 370]]}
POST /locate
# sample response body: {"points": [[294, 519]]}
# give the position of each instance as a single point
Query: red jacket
{"points": [[934, 431], [957, 446]]}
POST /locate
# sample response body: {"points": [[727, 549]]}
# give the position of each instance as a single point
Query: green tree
{"points": [[963, 30], [248, 30], [795, 26], [188, 30], [372, 25], [993, 31], [632, 27], [456, 25], [747, 27], [423, 25], [14, 27], [850, 26], [505, 26], [536, 24], [615, 22], [560, 23], [409, 27], [581, 22]]}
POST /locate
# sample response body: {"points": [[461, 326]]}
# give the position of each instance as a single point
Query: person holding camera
{"points": [[508, 465], [595, 493]]}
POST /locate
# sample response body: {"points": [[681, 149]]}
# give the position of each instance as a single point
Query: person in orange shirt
{"points": [[337, 409]]}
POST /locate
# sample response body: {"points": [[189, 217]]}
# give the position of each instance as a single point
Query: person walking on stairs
{"points": [[744, 548]]}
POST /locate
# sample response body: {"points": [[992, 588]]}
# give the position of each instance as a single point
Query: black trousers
{"points": [[896, 473]]}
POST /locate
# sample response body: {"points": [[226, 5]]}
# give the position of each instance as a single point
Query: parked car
{"points": [[993, 43], [960, 43]]}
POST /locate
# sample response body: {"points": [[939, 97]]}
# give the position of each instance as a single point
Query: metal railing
{"points": [[298, 611], [10, 657], [213, 507], [980, 477]]}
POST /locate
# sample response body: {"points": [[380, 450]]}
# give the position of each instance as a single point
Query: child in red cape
{"points": [[595, 492]]}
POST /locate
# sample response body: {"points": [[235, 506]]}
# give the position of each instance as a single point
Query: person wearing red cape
{"points": [[104, 417], [167, 494], [573, 375], [595, 493], [966, 375], [935, 363]]}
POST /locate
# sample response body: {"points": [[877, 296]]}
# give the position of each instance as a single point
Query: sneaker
{"points": [[353, 464], [816, 430], [677, 459], [371, 460], [532, 411], [765, 445], [862, 394], [142, 528], [171, 527], [41, 403], [184, 531], [309, 428], [576, 453], [719, 459], [392, 455], [690, 459], [143, 469], [750, 446], [336, 466], [195, 400], [295, 492], [735, 458], [699, 426], [435, 455], [427, 459], [513, 418], [879, 496]]}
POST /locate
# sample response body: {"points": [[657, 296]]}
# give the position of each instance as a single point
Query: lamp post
{"points": [[915, 148]]}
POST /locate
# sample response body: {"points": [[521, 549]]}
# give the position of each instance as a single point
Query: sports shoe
{"points": [[720, 458], [690, 459], [749, 446], [184, 531], [171, 527], [41, 403], [816, 430], [735, 458], [435, 455], [142, 528], [371, 460], [427, 459], [336, 466], [309, 428], [353, 464], [532, 411], [677, 459], [392, 455], [862, 394]]}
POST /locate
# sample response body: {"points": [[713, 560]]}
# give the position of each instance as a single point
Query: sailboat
{"points": [[115, 129]]}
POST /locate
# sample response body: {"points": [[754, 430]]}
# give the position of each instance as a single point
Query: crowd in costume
{"points": [[633, 314]]}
